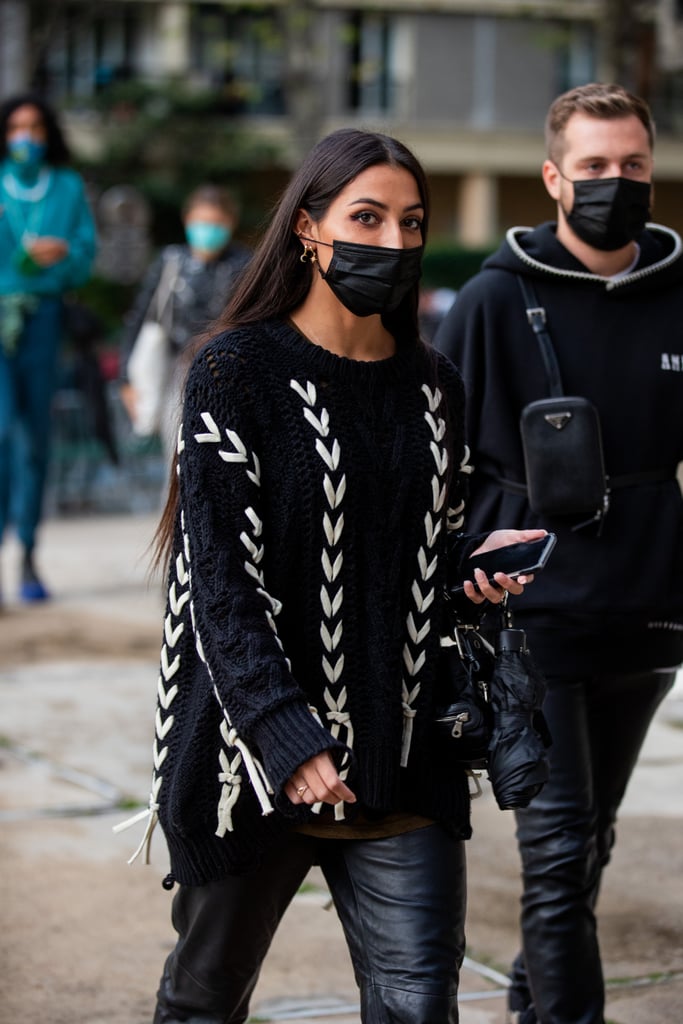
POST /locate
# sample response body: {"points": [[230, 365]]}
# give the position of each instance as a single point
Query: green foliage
{"points": [[108, 299], [167, 140], [447, 265], [128, 803]]}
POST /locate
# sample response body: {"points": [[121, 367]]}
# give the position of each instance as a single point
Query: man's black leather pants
{"points": [[401, 902], [565, 837]]}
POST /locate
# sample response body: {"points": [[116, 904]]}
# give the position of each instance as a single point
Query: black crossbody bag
{"points": [[562, 443], [561, 439]]}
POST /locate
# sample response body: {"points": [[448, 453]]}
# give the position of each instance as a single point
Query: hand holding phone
{"points": [[522, 559]]}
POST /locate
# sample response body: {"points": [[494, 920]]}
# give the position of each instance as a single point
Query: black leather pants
{"points": [[565, 838], [401, 902]]}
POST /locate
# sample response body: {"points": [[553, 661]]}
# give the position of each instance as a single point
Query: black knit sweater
{"points": [[305, 592]]}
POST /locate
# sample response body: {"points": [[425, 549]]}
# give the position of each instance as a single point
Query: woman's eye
{"points": [[413, 223], [365, 217]]}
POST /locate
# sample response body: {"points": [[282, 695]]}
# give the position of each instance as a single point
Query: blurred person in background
{"points": [[434, 304], [606, 621], [47, 247], [197, 279]]}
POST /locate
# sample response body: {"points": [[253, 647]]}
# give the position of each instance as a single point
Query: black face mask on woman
{"points": [[370, 279], [608, 213]]}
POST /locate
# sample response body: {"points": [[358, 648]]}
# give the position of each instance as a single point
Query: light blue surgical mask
{"points": [[206, 236], [24, 151]]}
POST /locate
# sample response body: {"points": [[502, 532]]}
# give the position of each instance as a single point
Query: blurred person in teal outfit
{"points": [[47, 247]]}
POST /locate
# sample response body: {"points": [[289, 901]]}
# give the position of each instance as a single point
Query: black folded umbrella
{"points": [[518, 765]]}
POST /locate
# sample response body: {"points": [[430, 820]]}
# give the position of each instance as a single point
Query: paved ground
{"points": [[83, 935]]}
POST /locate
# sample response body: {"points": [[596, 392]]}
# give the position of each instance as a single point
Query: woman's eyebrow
{"points": [[383, 206]]}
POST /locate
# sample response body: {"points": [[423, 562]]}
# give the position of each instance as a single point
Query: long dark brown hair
{"points": [[56, 149], [276, 282]]}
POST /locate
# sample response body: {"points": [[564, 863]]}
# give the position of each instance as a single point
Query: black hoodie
{"points": [[613, 599]]}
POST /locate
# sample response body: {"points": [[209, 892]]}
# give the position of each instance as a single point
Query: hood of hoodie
{"points": [[536, 252]]}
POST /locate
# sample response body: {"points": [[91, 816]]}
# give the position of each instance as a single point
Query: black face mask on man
{"points": [[608, 213], [370, 279]]}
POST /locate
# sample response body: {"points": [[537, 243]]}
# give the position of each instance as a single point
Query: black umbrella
{"points": [[518, 763]]}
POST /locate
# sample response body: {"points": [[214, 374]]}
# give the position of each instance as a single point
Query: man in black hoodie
{"points": [[605, 618]]}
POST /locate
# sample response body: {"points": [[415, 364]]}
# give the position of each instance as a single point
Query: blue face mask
{"points": [[206, 236], [24, 151]]}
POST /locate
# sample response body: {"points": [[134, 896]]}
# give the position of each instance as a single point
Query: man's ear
{"points": [[552, 179]]}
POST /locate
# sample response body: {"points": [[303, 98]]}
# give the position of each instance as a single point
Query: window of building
{"points": [[81, 49], [240, 54], [577, 56], [372, 62]]}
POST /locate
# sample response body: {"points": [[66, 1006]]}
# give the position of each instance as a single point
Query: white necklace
{"points": [[32, 193], [25, 222]]}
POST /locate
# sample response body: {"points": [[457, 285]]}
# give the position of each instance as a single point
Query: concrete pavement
{"points": [[76, 726]]}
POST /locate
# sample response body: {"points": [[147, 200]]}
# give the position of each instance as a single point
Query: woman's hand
{"points": [[317, 781], [46, 251], [495, 593], [129, 399]]}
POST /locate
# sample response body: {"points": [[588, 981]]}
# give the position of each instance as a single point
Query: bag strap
{"points": [[161, 301], [536, 316], [647, 476]]}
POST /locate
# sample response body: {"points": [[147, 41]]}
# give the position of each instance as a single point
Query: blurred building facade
{"points": [[466, 83]]}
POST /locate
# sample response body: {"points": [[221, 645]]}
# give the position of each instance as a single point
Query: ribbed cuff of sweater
{"points": [[291, 735], [460, 548]]}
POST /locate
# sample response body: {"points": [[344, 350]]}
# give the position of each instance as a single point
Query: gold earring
{"points": [[308, 255]]}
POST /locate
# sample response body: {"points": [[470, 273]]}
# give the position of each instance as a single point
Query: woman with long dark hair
{"points": [[47, 246], [320, 472]]}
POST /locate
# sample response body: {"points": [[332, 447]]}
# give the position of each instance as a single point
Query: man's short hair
{"points": [[595, 100], [212, 195]]}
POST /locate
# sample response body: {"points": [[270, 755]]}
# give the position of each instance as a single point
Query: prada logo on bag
{"points": [[558, 420]]}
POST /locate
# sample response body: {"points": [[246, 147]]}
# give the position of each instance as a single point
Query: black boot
{"points": [[164, 1014], [520, 1008], [31, 587]]}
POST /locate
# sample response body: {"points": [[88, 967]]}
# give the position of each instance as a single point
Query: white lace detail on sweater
{"points": [[418, 621], [332, 557], [455, 517], [167, 691], [236, 752]]}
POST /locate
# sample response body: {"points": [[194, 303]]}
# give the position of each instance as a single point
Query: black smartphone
{"points": [[521, 559]]}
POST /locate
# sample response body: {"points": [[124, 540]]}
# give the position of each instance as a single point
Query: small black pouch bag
{"points": [[563, 459], [561, 440]]}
